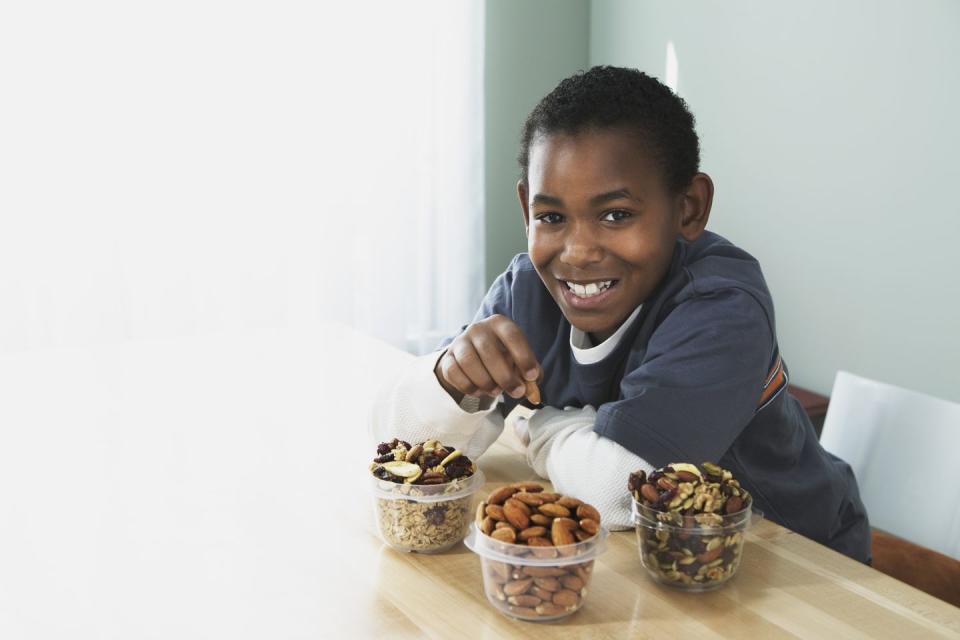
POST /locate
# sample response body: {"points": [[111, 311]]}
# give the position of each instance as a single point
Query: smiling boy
{"points": [[653, 340]]}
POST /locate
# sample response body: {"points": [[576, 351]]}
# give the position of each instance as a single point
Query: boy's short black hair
{"points": [[605, 97]]}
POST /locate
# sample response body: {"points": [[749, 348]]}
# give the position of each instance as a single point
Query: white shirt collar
{"points": [[586, 353]]}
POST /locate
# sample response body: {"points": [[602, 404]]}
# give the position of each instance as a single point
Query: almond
{"points": [[572, 582], [499, 496], [649, 492], [555, 510], [543, 572], [532, 499], [542, 548], [540, 519], [516, 513], [709, 556], [519, 505], [495, 511], [505, 534], [516, 587], [531, 487], [548, 583], [560, 533], [488, 525], [550, 609], [543, 594], [569, 502], [565, 598], [588, 511], [533, 532], [524, 600], [734, 504], [590, 526]]}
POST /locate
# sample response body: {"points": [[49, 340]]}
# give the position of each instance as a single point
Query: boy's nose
{"points": [[581, 249]]}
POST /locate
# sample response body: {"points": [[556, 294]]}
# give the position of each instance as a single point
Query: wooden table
{"points": [[217, 487]]}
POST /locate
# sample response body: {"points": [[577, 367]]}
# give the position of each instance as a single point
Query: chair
{"points": [[903, 448]]}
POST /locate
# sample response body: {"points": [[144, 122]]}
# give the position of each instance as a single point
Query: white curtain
{"points": [[178, 168]]}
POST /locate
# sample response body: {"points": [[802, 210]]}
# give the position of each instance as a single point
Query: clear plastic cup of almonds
{"points": [[537, 550], [690, 522], [423, 495]]}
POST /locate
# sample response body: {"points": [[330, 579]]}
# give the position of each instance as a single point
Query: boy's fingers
{"points": [[516, 343], [498, 363], [454, 375], [473, 368]]}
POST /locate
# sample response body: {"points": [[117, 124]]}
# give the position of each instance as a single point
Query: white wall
{"points": [[831, 130]]}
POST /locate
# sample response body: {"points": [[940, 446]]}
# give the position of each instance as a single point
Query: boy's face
{"points": [[601, 225]]}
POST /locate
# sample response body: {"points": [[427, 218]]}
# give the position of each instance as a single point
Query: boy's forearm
{"points": [[564, 448]]}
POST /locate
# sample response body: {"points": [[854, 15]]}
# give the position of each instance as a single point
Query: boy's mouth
{"points": [[587, 294]]}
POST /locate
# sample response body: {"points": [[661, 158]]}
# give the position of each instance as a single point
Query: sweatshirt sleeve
{"points": [[414, 407], [699, 383], [565, 449]]}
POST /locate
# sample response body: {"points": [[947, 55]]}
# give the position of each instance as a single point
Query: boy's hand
{"points": [[489, 357]]}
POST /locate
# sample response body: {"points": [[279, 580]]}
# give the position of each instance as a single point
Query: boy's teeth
{"points": [[589, 290]]}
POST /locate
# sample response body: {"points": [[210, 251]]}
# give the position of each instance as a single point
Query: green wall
{"points": [[831, 132], [530, 46]]}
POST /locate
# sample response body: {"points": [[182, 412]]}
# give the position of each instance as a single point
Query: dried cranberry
{"points": [[430, 460], [666, 497], [636, 480], [383, 448], [457, 467], [387, 457], [435, 515]]}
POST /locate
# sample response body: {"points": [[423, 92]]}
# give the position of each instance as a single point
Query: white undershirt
{"points": [[584, 350]]}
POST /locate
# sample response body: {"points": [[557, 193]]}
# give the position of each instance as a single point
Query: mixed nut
{"points": [[427, 462], [690, 523], [423, 495], [532, 525]]}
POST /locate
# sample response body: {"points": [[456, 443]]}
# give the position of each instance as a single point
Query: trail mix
{"points": [[427, 462], [411, 512], [522, 514], [690, 523]]}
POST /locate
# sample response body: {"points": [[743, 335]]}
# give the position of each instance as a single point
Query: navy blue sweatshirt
{"points": [[698, 377]]}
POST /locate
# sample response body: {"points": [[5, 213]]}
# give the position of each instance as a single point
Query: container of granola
{"points": [[690, 523], [423, 495], [537, 551]]}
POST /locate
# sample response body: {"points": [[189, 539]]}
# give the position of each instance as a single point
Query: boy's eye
{"points": [[550, 218], [616, 215]]}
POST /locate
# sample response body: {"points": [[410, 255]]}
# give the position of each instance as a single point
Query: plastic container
{"points": [[693, 553], [536, 583], [424, 518]]}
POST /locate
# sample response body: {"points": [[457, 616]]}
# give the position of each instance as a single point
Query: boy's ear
{"points": [[522, 194], [695, 207]]}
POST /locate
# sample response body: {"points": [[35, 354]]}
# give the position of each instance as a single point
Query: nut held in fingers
{"points": [[533, 392]]}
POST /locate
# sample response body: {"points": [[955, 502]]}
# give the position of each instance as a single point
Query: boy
{"points": [[653, 340]]}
